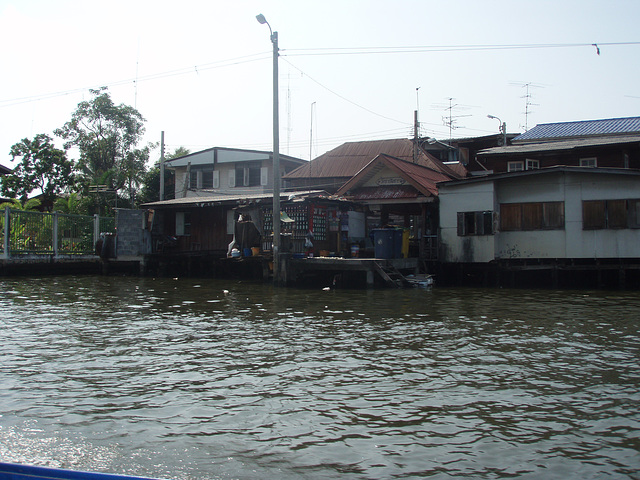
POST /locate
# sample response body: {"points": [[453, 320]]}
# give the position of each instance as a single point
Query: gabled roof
{"points": [[422, 178], [226, 155], [349, 158], [551, 131], [4, 170]]}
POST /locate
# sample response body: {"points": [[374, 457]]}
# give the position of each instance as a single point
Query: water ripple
{"points": [[179, 379]]}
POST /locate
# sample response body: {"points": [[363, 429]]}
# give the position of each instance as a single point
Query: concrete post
{"points": [[5, 249], [55, 234]]}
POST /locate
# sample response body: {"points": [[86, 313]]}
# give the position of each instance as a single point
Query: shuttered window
{"points": [[594, 214], [510, 217], [207, 178], [600, 214], [531, 216], [475, 223]]}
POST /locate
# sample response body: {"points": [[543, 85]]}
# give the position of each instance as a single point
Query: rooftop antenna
{"points": [[451, 119], [310, 150], [311, 132], [135, 82], [527, 100], [416, 128], [288, 112]]}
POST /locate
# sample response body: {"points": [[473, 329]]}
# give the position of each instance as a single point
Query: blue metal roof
{"points": [[611, 126]]}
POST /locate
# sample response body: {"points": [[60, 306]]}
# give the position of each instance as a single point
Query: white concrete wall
{"points": [[225, 187], [572, 188], [608, 243], [472, 197], [534, 243]]}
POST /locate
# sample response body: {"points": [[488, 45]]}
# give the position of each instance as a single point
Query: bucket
{"points": [[255, 251], [247, 252]]}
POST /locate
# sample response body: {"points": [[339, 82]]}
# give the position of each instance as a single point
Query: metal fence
{"points": [[75, 234], [25, 232]]}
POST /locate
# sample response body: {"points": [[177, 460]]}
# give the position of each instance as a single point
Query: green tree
{"points": [[73, 204], [30, 205], [107, 136], [42, 167]]}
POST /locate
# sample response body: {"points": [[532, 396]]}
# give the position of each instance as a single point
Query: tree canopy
{"points": [[107, 136], [42, 167]]}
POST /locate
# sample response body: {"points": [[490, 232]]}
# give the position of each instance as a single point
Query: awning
{"points": [[286, 218]]}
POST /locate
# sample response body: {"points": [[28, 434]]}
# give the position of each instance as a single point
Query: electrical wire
{"points": [[343, 97], [308, 52], [154, 76], [440, 48]]}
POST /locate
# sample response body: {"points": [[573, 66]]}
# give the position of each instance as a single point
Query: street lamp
{"points": [[503, 129], [276, 155]]}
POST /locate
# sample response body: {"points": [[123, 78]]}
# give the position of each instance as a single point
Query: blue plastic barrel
{"points": [[397, 243], [383, 239]]}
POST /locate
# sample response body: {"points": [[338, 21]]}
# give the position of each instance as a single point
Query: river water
{"points": [[208, 379]]}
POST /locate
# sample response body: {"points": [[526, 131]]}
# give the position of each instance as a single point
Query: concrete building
{"points": [[557, 219]]}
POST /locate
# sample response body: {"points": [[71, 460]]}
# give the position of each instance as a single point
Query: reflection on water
{"points": [[180, 379]]}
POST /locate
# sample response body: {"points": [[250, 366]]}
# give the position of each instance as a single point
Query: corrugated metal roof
{"points": [[611, 126], [422, 179], [207, 200], [560, 145], [595, 171], [349, 158]]}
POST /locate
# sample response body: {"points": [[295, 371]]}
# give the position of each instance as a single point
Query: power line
{"points": [[306, 52], [342, 96], [438, 48], [154, 76]]}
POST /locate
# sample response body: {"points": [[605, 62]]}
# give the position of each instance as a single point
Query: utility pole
{"points": [[415, 137], [162, 165], [276, 156]]}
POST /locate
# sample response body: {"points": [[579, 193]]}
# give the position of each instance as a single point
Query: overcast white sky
{"points": [[201, 71]]}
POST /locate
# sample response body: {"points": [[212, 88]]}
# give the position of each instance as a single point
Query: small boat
{"points": [[11, 471]]}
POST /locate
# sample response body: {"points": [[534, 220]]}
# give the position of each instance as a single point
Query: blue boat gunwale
{"points": [[14, 471]]}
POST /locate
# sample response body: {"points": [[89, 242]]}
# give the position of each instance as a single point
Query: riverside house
{"points": [[561, 206]]}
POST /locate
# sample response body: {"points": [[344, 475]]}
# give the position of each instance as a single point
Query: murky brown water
{"points": [[178, 379]]}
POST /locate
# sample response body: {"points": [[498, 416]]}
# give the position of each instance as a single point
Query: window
{"points": [[475, 223], [600, 214], [519, 166], [533, 164], [531, 216], [589, 162], [248, 175], [515, 166], [183, 223], [207, 178], [193, 179]]}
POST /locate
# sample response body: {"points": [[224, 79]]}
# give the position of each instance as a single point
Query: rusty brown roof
{"points": [[422, 178], [349, 158]]}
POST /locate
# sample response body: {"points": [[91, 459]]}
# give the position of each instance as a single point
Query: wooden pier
{"points": [[338, 271]]}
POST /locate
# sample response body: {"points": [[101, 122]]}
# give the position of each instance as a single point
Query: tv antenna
{"points": [[450, 120], [527, 99]]}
